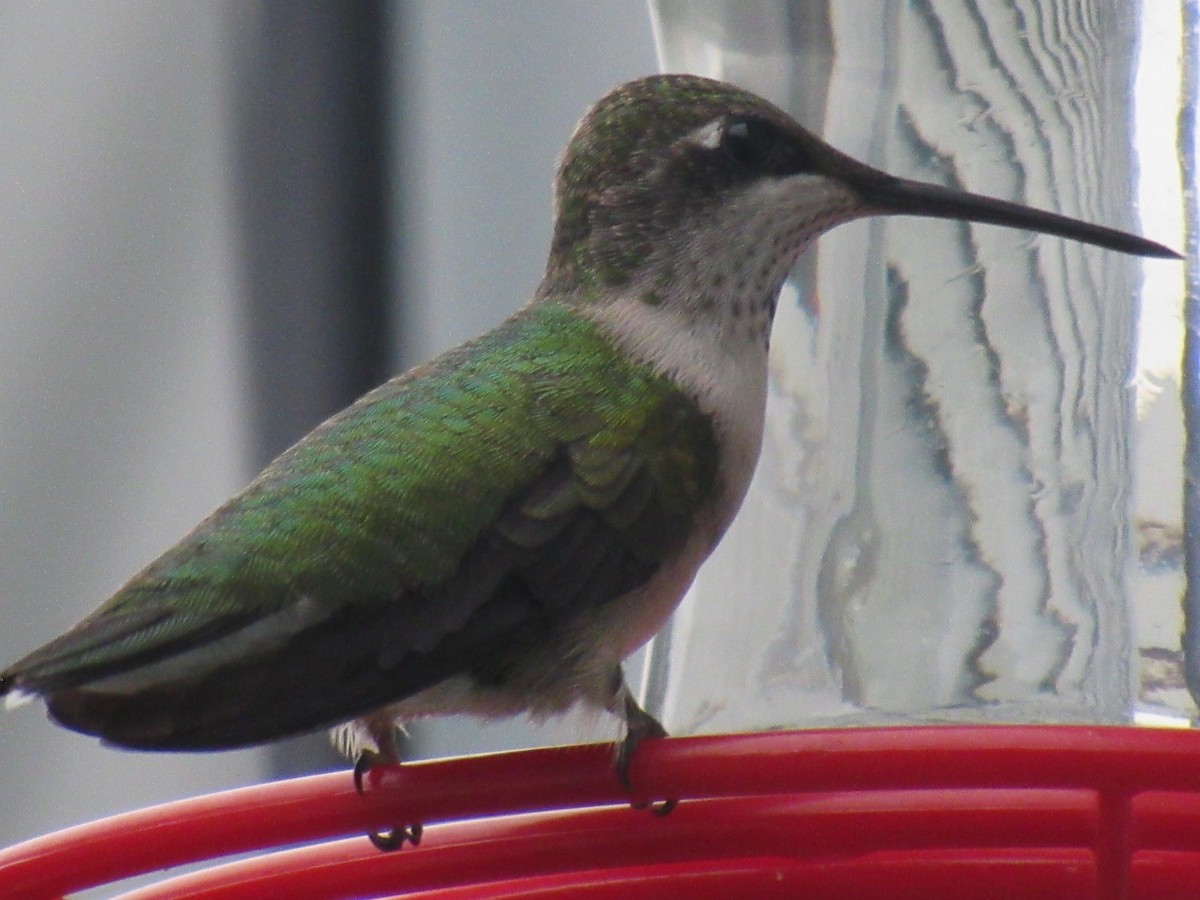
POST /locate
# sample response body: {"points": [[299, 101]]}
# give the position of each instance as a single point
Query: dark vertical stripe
{"points": [[311, 171]]}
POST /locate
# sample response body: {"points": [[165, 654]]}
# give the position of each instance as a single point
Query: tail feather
{"points": [[318, 678], [14, 697], [107, 646]]}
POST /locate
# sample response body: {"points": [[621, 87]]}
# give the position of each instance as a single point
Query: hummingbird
{"points": [[493, 532]]}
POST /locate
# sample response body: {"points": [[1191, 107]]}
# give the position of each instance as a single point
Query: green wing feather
{"points": [[443, 524]]}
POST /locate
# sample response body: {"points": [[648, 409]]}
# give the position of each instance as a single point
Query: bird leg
{"points": [[386, 755], [639, 725]]}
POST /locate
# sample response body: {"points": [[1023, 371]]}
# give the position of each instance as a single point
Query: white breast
{"points": [[727, 382]]}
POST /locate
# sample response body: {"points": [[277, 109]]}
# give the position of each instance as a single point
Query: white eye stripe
{"points": [[708, 136]]}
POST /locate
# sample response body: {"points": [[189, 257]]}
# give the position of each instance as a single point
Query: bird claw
{"points": [[395, 838], [656, 807], [392, 838], [639, 725], [367, 760]]}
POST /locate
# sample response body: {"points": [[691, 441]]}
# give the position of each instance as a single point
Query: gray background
{"points": [[124, 358]]}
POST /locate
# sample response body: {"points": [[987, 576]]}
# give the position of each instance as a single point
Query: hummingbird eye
{"points": [[750, 142]]}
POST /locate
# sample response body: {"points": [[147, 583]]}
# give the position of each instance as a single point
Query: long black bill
{"points": [[899, 196]]}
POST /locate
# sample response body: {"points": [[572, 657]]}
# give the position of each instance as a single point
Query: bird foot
{"points": [[639, 726], [392, 838], [395, 838], [657, 807]]}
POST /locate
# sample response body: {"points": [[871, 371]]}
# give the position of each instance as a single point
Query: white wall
{"points": [[121, 417]]}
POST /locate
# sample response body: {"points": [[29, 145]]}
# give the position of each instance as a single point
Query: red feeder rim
{"points": [[931, 812]]}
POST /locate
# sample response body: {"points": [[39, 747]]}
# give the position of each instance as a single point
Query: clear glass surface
{"points": [[971, 499]]}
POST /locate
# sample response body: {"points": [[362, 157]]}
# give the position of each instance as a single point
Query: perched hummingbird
{"points": [[495, 531]]}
